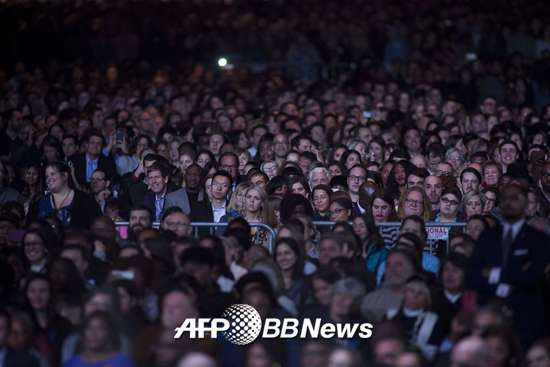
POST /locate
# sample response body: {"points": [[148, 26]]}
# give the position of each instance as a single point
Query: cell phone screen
{"points": [[123, 232]]}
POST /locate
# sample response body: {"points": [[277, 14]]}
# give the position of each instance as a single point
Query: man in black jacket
{"points": [[508, 263], [86, 163]]}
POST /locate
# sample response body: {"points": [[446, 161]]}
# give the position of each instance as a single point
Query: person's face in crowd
{"points": [[484, 320], [491, 175], [328, 250], [356, 178], [313, 354], [141, 145], [243, 142], [304, 145], [99, 302], [185, 161], [230, 164], [257, 356], [139, 220], [448, 205], [38, 294], [400, 175], [50, 153], [341, 358], [532, 204], [469, 182], [489, 106], [498, 351], [203, 159], [414, 297], [257, 135], [215, 143], [381, 210], [55, 180], [338, 153], [192, 178], [490, 201], [341, 304], [414, 204], [69, 146], [304, 163], [479, 124], [360, 228], [414, 180], [270, 169], [455, 160], [387, 351], [162, 150], [99, 182], [96, 336], [34, 248], [409, 359], [178, 223], [513, 203], [202, 273], [31, 176], [298, 188], [258, 180], [473, 206], [444, 169], [361, 148], [76, 257], [335, 170], [280, 145], [398, 270], [20, 337], [253, 201], [376, 152], [414, 227], [157, 183], [321, 200], [352, 160], [508, 154], [412, 140], [127, 302], [433, 188], [220, 187], [319, 177], [452, 277], [474, 228], [537, 356], [94, 146], [286, 258], [176, 307], [338, 213]]}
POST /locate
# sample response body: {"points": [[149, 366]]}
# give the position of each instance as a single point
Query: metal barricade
{"points": [[212, 226], [431, 228]]}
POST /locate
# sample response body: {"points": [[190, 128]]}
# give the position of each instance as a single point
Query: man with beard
{"points": [[433, 186], [100, 188], [509, 262], [140, 219]]}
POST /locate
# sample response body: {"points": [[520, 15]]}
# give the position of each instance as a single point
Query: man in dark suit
{"points": [[155, 196], [8, 356], [86, 163], [508, 263]]}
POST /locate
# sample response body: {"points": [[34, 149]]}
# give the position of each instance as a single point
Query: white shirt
{"points": [[218, 213]]}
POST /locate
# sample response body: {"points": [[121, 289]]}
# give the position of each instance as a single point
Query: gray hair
{"points": [[350, 286]]}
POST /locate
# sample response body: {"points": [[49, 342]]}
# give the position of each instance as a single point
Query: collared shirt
{"points": [[218, 213], [91, 166], [516, 227], [452, 297], [159, 206]]}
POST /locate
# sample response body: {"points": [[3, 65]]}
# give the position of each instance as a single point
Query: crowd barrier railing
{"points": [[436, 230]]}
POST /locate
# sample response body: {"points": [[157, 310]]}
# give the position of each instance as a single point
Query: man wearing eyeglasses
{"points": [[357, 177]]}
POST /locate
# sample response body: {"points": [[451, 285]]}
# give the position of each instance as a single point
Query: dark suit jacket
{"points": [[180, 199], [523, 271], [105, 164], [20, 359]]}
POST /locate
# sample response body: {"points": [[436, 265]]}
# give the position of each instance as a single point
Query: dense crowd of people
{"points": [[140, 186]]}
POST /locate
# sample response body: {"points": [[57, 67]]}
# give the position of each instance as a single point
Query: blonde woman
{"points": [[236, 204], [254, 211]]}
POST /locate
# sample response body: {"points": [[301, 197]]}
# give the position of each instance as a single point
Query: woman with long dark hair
{"points": [[72, 207], [290, 260]]}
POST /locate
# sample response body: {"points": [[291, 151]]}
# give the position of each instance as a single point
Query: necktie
{"points": [[159, 203], [507, 244]]}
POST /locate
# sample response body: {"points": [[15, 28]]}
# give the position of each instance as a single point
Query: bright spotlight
{"points": [[222, 62]]}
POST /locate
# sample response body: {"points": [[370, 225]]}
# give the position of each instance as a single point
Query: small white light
{"points": [[222, 62]]}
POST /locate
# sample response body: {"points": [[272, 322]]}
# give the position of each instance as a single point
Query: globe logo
{"points": [[245, 324]]}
